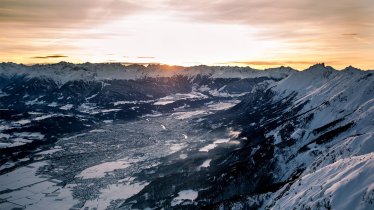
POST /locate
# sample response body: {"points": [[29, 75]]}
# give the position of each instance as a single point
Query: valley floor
{"points": [[99, 168]]}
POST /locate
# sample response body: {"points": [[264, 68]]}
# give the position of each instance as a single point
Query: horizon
{"points": [[181, 66], [220, 33]]}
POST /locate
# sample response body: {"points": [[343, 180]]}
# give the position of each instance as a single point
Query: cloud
{"points": [[297, 64], [145, 57], [295, 29], [269, 12], [140, 63], [35, 27], [295, 17], [350, 34], [50, 56], [66, 13]]}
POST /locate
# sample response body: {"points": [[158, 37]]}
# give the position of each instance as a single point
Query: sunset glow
{"points": [[296, 33]]}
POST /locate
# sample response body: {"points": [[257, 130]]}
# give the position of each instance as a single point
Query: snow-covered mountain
{"points": [[63, 72], [330, 138], [186, 137]]}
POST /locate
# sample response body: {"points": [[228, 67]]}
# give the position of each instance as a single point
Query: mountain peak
{"points": [[320, 68], [351, 69]]}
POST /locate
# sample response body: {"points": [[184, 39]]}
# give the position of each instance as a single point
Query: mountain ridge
{"points": [[63, 72]]}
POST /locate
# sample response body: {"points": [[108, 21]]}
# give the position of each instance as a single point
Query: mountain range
{"points": [[109, 136]]}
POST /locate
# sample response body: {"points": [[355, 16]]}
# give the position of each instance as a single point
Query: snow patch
{"points": [[99, 171], [186, 115], [223, 105], [213, 145], [176, 147], [114, 192], [23, 122], [67, 107], [97, 131], [23, 188], [183, 196], [205, 164], [179, 96]]}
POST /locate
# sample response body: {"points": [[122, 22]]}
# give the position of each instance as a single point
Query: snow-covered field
{"points": [[24, 188]]}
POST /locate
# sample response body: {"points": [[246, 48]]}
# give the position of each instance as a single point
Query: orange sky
{"points": [[260, 34]]}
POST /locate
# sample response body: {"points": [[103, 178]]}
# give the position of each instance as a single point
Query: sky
{"points": [[256, 33]]}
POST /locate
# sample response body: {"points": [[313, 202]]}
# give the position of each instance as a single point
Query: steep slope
{"points": [[336, 147], [322, 141]]}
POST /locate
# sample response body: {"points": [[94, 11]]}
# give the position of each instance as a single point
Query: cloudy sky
{"points": [[258, 33]]}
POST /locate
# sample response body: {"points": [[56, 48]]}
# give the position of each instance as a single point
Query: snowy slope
{"points": [[335, 148], [345, 184]]}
